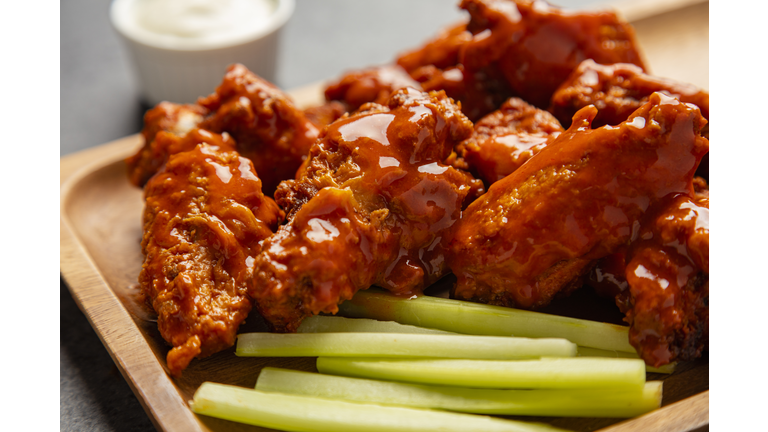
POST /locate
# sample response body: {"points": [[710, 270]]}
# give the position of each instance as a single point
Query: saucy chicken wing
{"points": [[539, 231], [667, 303], [536, 46], [617, 90], [372, 206], [505, 139], [203, 220], [268, 128], [168, 120], [661, 281]]}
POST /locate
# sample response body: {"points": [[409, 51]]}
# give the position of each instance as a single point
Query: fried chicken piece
{"points": [[667, 303], [539, 231], [661, 281], [608, 278], [268, 128], [617, 91], [374, 84], [536, 46], [169, 118], [203, 220], [372, 206], [505, 139]]}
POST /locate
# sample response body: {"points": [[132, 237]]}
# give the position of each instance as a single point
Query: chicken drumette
{"points": [[266, 126], [203, 220], [661, 280], [539, 231], [372, 206]]}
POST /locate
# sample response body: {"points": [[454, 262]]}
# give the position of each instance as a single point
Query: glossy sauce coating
{"points": [[619, 89], [267, 126], [505, 139], [203, 220], [539, 231], [537, 45], [167, 118], [667, 303], [372, 206]]}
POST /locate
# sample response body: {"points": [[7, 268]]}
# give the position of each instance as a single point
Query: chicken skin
{"points": [[505, 139], [539, 231], [203, 220], [268, 128], [372, 206]]}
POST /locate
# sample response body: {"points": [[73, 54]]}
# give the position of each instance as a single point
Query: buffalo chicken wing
{"points": [[372, 206], [539, 231], [203, 220]]}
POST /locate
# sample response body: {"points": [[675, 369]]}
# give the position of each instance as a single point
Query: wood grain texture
{"points": [[101, 258]]}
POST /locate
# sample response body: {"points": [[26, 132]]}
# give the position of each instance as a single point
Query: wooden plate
{"points": [[101, 258]]}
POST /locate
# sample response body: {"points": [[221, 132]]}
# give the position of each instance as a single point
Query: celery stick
{"points": [[475, 318], [553, 373], [308, 414], [337, 324], [614, 403], [399, 345], [594, 352]]}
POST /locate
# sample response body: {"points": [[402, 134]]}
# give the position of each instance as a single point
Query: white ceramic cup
{"points": [[178, 70]]}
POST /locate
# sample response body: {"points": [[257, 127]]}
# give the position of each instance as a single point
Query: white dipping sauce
{"points": [[190, 24]]}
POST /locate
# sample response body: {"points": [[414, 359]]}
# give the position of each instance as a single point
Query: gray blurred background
{"points": [[99, 103]]}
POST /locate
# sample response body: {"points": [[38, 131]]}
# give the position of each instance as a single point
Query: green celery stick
{"points": [[309, 414], [595, 352], [480, 319], [613, 403], [337, 324], [552, 373], [399, 345]]}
